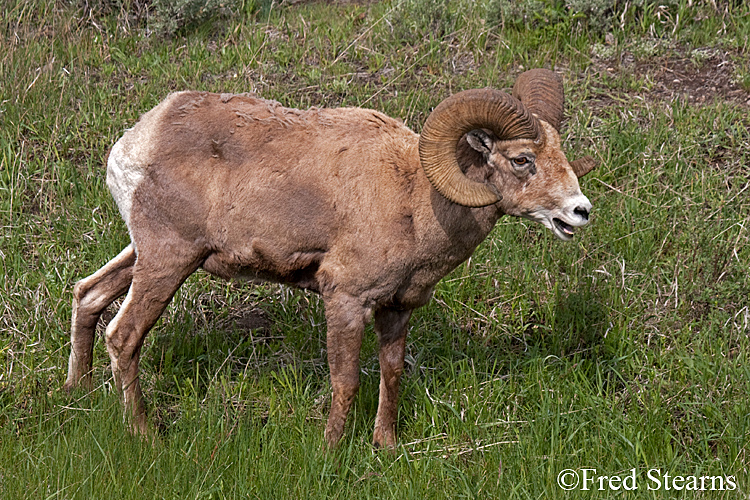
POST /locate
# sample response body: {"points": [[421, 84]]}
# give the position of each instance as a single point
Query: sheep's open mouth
{"points": [[564, 227]]}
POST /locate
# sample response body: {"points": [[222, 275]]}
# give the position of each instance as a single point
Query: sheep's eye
{"points": [[523, 161], [524, 165]]}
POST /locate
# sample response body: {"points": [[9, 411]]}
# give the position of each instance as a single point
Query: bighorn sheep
{"points": [[346, 202]]}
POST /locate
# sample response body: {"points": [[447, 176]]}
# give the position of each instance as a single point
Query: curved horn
{"points": [[461, 113], [583, 166], [541, 91]]}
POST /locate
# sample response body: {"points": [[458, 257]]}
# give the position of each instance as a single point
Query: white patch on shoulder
{"points": [[131, 156]]}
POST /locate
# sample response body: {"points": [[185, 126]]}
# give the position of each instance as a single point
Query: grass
{"points": [[626, 349]]}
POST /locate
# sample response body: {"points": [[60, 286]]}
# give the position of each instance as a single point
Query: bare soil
{"points": [[706, 76], [700, 83]]}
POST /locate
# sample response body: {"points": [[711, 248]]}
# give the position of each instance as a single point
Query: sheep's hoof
{"points": [[382, 441], [72, 384]]}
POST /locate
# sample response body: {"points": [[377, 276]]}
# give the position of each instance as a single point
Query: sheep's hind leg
{"points": [[158, 273], [91, 296], [391, 326], [345, 318]]}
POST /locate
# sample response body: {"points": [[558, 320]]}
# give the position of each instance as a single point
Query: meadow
{"points": [[622, 353]]}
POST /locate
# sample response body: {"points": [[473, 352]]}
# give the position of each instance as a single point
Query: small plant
{"points": [[701, 55], [645, 48], [603, 51], [742, 77]]}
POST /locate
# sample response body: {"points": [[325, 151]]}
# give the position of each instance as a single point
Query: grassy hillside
{"points": [[625, 351]]}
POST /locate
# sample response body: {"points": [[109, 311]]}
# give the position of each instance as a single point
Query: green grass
{"points": [[626, 349]]}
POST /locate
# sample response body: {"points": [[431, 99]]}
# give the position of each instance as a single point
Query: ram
{"points": [[348, 203]]}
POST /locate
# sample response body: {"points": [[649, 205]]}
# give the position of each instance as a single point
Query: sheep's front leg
{"points": [[345, 317], [391, 327]]}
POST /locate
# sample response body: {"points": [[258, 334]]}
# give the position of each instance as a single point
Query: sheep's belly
{"points": [[299, 269]]}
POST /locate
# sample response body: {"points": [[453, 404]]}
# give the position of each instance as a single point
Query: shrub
{"points": [[171, 16], [598, 16], [415, 20], [168, 17]]}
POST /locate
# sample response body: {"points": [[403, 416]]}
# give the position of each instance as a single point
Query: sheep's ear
{"points": [[583, 166], [480, 141]]}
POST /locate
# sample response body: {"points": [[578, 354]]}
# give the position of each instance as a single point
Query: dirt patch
{"points": [[251, 319], [698, 82], [700, 76]]}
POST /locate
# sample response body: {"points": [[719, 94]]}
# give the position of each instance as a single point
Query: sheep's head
{"points": [[518, 137]]}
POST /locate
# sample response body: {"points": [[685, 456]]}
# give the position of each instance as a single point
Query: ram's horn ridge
{"points": [[541, 91]]}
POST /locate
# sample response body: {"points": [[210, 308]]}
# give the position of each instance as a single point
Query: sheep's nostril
{"points": [[582, 212]]}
